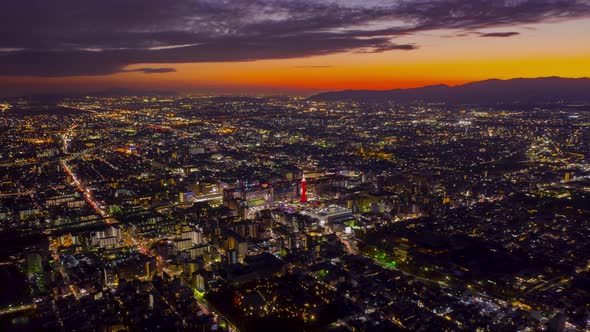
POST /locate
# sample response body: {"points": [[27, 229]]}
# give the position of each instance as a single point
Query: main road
{"points": [[128, 238]]}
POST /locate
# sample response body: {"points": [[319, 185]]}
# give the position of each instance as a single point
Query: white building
{"points": [[330, 214]]}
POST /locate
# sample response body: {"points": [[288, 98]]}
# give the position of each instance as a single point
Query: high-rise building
{"points": [[242, 251], [196, 237], [232, 256], [183, 244], [108, 238]]}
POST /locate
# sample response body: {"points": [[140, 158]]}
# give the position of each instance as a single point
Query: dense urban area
{"points": [[292, 214]]}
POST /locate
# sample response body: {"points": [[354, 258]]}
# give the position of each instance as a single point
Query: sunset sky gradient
{"points": [[285, 46]]}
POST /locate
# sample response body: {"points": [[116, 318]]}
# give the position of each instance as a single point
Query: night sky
{"points": [[299, 46]]}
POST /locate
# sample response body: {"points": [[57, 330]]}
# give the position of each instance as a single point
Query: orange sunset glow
{"points": [[533, 47]]}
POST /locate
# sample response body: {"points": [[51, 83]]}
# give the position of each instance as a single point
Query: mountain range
{"points": [[493, 91]]}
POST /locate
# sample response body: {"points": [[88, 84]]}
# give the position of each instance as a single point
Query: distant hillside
{"points": [[519, 90]]}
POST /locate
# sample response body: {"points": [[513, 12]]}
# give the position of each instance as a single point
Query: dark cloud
{"points": [[483, 34], [72, 37], [390, 47], [62, 63], [153, 70], [500, 34]]}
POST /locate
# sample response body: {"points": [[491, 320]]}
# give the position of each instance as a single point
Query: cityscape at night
{"points": [[295, 165]]}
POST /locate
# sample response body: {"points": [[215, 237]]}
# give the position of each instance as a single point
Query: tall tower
{"points": [[303, 190]]}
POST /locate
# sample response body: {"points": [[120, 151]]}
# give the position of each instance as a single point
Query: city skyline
{"points": [[295, 165], [292, 47]]}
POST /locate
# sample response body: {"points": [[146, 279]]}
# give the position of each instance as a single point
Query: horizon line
{"points": [[281, 91]]}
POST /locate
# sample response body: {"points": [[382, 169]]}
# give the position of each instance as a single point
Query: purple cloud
{"points": [[153, 70], [72, 37], [499, 34]]}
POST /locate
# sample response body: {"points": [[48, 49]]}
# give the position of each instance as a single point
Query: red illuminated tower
{"points": [[303, 190]]}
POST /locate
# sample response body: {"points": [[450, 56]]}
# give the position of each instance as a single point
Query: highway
{"points": [[20, 308]]}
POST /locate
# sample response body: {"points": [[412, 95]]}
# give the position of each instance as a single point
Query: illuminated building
{"points": [[249, 200], [303, 190], [330, 214], [108, 238]]}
